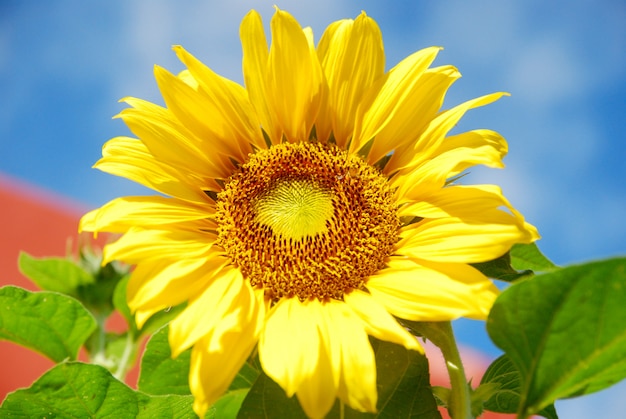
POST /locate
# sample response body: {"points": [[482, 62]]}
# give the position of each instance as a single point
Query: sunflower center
{"points": [[295, 209], [307, 220]]}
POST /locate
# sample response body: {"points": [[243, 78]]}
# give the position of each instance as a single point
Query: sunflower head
{"points": [[304, 212], [307, 220]]}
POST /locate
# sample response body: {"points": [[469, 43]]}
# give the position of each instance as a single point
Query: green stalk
{"points": [[460, 399], [441, 334]]}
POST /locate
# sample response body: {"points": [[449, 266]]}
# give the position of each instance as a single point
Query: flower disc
{"points": [[307, 220]]}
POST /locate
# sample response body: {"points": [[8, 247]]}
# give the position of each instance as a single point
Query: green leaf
{"points": [[165, 407], [403, 384], [227, 406], [528, 256], [78, 390], [505, 395], [160, 374], [267, 400], [50, 323], [54, 274], [564, 331], [500, 268], [245, 378]]}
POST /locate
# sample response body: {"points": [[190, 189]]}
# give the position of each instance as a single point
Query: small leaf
{"points": [[54, 274], [160, 374], [564, 331], [504, 397], [528, 256], [53, 324], [227, 406], [88, 391]]}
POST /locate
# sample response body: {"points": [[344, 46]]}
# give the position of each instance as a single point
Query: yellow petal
{"points": [[139, 244], [357, 384], [410, 120], [157, 285], [390, 95], [290, 343], [378, 322], [318, 391], [199, 114], [255, 61], [481, 146], [475, 202], [432, 175], [229, 100], [319, 351], [454, 239], [121, 214], [220, 307], [129, 158], [213, 367], [433, 292], [293, 78], [188, 78], [429, 141], [169, 141], [352, 55]]}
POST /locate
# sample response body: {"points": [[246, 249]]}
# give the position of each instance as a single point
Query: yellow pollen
{"points": [[295, 209], [307, 220]]}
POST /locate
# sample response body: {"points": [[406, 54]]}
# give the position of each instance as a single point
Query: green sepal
{"points": [[161, 374], [501, 268], [529, 257]]}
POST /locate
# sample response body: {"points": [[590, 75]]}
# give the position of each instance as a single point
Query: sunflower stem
{"points": [[441, 334], [460, 399]]}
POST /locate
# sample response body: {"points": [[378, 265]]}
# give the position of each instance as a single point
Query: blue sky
{"points": [[64, 65]]}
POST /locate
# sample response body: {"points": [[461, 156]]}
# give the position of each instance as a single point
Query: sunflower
{"points": [[305, 211]]}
